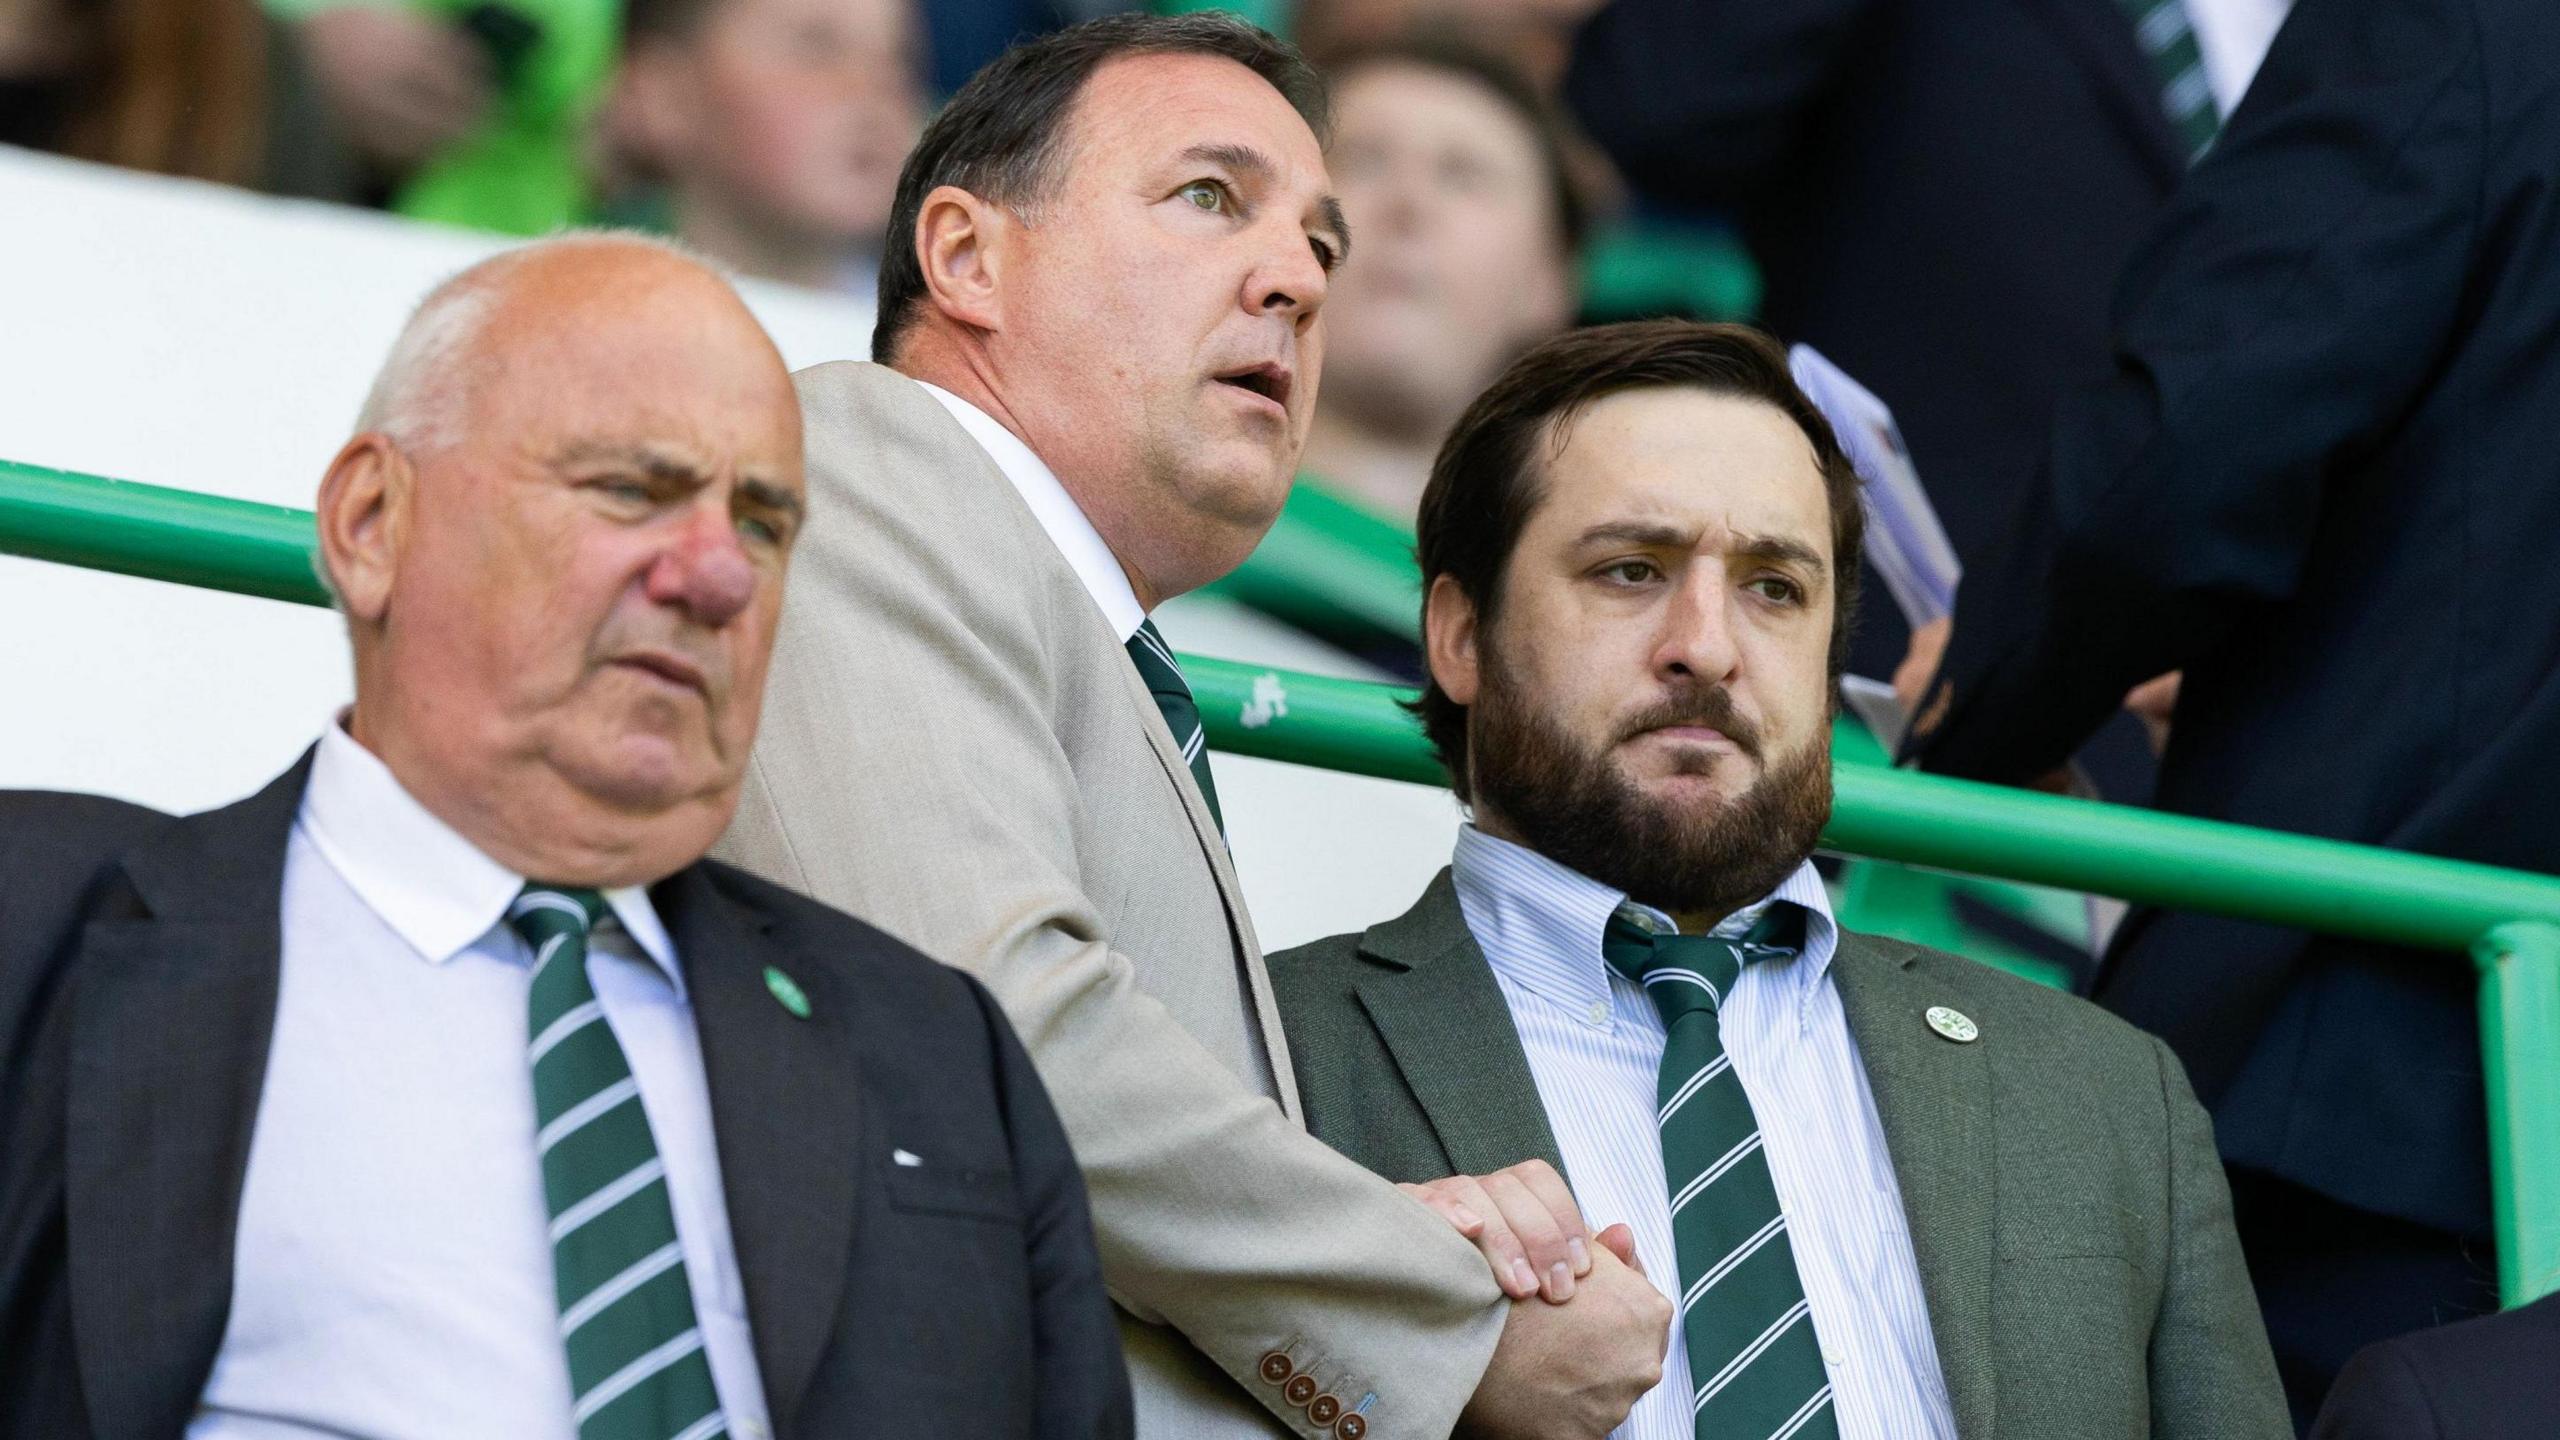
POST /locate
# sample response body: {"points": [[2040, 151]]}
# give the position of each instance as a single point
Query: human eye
{"points": [[1632, 571], [760, 530], [1777, 588], [1207, 195]]}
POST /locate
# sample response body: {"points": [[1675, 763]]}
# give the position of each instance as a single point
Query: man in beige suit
{"points": [[1102, 346]]}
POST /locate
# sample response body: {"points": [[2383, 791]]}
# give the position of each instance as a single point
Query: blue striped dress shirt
{"points": [[1594, 1043]]}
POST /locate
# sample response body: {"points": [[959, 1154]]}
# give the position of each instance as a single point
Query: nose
{"points": [[704, 570], [1697, 639], [1289, 282]]}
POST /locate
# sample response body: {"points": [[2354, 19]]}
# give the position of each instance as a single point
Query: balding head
{"points": [[560, 540]]}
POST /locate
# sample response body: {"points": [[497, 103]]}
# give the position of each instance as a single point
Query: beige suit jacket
{"points": [[957, 749]]}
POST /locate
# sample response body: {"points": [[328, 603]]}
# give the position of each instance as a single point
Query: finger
{"points": [[1501, 1247], [1541, 1241], [1552, 1192], [1619, 1240], [1462, 1219]]}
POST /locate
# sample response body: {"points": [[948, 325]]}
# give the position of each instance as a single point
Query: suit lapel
{"points": [[1441, 1015], [786, 1111], [1213, 849], [2097, 32], [173, 1013], [1934, 1099]]}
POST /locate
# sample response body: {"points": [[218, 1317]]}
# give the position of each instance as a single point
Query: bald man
{"points": [[441, 1088]]}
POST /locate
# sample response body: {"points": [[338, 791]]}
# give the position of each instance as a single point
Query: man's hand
{"points": [[1920, 666], [404, 84], [1524, 1220], [1572, 1372]]}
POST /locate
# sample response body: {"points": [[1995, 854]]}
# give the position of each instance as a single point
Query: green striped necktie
{"points": [[636, 1362], [1157, 667], [2161, 28], [1755, 1366]]}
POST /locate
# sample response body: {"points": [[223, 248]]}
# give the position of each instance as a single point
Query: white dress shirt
{"points": [[1059, 515], [1594, 1042], [2233, 36], [392, 1274]]}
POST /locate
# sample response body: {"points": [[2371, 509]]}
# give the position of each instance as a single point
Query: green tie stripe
{"points": [[1163, 677], [2168, 40], [1755, 1365], [636, 1360]]}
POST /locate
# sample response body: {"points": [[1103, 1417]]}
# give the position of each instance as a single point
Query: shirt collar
{"points": [[1056, 510], [435, 889], [1539, 923]]}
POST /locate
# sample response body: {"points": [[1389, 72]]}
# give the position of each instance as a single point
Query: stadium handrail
{"points": [[2508, 920]]}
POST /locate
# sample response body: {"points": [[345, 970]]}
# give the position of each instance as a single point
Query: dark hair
{"points": [[1000, 137], [1488, 478], [1569, 188]]}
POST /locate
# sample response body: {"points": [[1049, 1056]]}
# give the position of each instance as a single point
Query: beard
{"points": [[1571, 803]]}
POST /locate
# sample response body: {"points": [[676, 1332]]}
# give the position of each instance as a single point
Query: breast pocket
{"points": [[928, 1189]]}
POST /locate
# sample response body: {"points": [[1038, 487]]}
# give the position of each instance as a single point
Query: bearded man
{"points": [[1896, 1193]]}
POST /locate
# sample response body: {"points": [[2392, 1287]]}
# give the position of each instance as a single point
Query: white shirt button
{"points": [[1834, 1356], [1598, 1014], [751, 1430]]}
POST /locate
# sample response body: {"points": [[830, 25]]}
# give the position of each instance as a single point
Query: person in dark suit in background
{"points": [[1938, 195], [2319, 481], [2484, 1379], [441, 1088]]}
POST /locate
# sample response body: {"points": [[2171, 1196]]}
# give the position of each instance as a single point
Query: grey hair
{"points": [[418, 397]]}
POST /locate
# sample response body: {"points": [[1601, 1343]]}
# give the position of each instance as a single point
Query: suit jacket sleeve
{"points": [[2301, 289], [1698, 102], [2213, 1376], [908, 773], [2378, 1397], [1082, 1382]]}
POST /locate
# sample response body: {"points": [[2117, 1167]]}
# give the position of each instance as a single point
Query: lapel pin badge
{"points": [[1954, 1024], [905, 1157], [787, 992]]}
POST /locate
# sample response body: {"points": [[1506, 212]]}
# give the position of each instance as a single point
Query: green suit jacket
{"points": [[2070, 1219]]}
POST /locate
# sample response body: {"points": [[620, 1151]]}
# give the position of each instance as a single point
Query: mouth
{"points": [[1270, 381], [669, 668]]}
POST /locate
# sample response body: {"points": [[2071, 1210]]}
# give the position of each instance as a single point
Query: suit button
{"points": [[1323, 1408], [1276, 1367], [1350, 1427], [1300, 1389]]}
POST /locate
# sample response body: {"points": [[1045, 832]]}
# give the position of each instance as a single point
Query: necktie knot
{"points": [[544, 913], [1688, 974]]}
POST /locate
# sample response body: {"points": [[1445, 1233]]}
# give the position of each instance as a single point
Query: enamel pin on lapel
{"points": [[1954, 1024], [787, 992]]}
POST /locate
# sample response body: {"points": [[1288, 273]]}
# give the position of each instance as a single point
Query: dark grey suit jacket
{"points": [[2071, 1223], [139, 963]]}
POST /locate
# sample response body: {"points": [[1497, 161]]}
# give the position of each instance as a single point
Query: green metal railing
{"points": [[2508, 921]]}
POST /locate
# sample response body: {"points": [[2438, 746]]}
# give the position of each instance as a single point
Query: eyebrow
{"points": [[1672, 537], [766, 493], [661, 465], [1245, 162]]}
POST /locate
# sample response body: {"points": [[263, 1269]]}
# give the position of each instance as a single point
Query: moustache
{"points": [[1704, 705]]}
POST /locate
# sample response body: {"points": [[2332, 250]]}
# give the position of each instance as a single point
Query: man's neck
{"points": [[1691, 922], [932, 357]]}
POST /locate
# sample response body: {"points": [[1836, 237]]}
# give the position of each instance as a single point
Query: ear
{"points": [[363, 517], [1449, 639], [964, 245]]}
